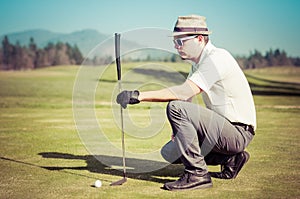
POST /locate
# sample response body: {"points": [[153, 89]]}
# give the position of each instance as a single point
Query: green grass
{"points": [[42, 155]]}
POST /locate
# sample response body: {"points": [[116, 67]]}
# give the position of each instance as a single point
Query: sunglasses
{"points": [[179, 41]]}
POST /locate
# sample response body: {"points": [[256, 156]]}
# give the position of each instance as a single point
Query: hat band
{"points": [[176, 29]]}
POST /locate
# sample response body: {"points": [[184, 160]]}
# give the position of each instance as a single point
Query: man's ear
{"points": [[200, 38]]}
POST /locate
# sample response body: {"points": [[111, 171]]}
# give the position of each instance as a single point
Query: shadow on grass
{"points": [[162, 75], [273, 81], [116, 81], [95, 166], [264, 87], [158, 74], [271, 87]]}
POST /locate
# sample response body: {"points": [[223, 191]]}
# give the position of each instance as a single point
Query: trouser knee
{"points": [[173, 110]]}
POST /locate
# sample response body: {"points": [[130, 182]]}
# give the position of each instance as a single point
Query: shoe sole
{"points": [[204, 186], [244, 161]]}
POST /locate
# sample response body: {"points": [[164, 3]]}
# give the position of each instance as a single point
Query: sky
{"points": [[240, 26]]}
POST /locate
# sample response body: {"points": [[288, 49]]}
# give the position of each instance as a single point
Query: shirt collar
{"points": [[207, 49]]}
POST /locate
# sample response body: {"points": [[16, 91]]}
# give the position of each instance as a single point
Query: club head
{"points": [[119, 182]]}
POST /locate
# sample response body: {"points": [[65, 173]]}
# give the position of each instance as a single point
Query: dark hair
{"points": [[206, 38]]}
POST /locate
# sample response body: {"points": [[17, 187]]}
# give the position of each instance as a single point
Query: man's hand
{"points": [[128, 97]]}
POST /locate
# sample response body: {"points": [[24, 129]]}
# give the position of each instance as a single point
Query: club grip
{"points": [[117, 51]]}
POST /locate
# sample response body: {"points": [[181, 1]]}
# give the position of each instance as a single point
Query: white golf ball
{"points": [[98, 183]]}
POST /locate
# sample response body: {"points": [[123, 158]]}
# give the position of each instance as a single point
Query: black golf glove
{"points": [[128, 97]]}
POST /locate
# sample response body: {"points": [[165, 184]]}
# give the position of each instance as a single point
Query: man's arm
{"points": [[184, 92]]}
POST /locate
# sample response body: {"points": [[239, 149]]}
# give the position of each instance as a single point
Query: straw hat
{"points": [[192, 24]]}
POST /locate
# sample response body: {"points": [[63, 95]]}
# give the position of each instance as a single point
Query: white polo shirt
{"points": [[225, 87]]}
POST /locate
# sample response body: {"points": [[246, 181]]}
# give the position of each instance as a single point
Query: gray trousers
{"points": [[201, 137]]}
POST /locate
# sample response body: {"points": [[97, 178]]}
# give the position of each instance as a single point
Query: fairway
{"points": [[43, 155]]}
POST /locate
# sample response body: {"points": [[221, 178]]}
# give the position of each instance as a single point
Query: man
{"points": [[217, 134]]}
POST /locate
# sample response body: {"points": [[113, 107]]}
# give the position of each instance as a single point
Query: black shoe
{"points": [[189, 181], [232, 166]]}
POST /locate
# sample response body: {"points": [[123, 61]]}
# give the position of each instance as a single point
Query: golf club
{"points": [[118, 63]]}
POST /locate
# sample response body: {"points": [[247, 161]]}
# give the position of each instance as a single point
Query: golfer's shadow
{"points": [[94, 165]]}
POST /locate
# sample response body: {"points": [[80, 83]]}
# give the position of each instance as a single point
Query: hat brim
{"points": [[190, 33]]}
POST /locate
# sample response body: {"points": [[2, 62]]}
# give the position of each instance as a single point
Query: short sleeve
{"points": [[204, 75]]}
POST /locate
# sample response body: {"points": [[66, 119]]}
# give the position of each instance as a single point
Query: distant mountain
{"points": [[86, 40], [41, 37]]}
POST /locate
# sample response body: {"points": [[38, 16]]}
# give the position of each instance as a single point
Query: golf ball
{"points": [[98, 183]]}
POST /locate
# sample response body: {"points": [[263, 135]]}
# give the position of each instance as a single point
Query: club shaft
{"points": [[117, 52], [123, 133], [118, 63]]}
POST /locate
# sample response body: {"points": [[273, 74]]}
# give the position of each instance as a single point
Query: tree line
{"points": [[271, 58], [17, 57], [255, 60]]}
